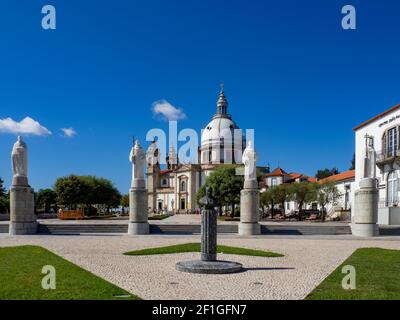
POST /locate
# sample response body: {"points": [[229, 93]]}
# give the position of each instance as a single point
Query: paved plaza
{"points": [[307, 261]]}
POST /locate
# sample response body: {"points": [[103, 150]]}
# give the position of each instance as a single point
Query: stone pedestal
{"points": [[138, 217], [249, 209], [22, 210], [366, 209], [208, 263], [208, 235]]}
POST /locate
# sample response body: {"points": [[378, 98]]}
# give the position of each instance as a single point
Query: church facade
{"points": [[174, 188]]}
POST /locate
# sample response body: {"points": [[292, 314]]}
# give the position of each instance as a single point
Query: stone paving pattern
{"points": [[307, 261]]}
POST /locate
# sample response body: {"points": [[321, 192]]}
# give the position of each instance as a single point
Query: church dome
{"points": [[221, 125], [217, 129]]}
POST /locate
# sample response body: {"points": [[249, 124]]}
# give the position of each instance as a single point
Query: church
{"points": [[174, 188]]}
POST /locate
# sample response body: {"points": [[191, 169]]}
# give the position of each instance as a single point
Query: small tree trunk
{"points": [[300, 209]]}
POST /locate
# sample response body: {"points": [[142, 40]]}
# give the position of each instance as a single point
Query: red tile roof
{"points": [[276, 172], [377, 117], [340, 177], [165, 171]]}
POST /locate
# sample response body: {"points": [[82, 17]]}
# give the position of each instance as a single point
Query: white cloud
{"points": [[69, 132], [25, 126], [167, 111]]}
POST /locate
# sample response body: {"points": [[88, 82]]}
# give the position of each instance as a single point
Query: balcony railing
{"points": [[388, 203], [387, 155]]}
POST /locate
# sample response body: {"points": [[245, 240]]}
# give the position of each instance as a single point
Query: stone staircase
{"points": [[187, 229], [315, 229], [3, 228]]}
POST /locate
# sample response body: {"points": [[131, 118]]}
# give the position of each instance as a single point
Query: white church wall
{"points": [[376, 129]]}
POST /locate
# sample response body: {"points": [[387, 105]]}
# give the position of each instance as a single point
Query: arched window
{"points": [[183, 186], [392, 187]]}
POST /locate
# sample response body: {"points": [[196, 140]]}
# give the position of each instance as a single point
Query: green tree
{"points": [[281, 194], [325, 173], [125, 200], [45, 198], [226, 186], [267, 200], [327, 193], [4, 198], [353, 162], [303, 193], [73, 191]]}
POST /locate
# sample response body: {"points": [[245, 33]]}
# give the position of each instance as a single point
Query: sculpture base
{"points": [[20, 181], [249, 228], [209, 267], [249, 211], [22, 228], [22, 208], [138, 228], [366, 209], [365, 230]]}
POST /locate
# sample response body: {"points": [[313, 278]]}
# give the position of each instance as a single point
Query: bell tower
{"points": [[172, 158]]}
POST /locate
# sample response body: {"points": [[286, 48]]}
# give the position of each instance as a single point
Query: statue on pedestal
{"points": [[249, 159], [250, 195], [208, 202], [369, 158], [138, 220], [137, 157], [208, 227], [366, 198], [22, 202], [19, 156]]}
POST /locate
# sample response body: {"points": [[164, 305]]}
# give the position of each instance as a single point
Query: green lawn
{"points": [[160, 217], [377, 277], [21, 278], [195, 247]]}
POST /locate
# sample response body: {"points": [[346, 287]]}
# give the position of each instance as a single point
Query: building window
{"points": [[164, 182], [183, 186], [274, 182], [390, 142], [392, 188]]}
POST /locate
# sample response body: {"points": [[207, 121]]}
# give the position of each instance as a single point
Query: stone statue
{"points": [[208, 202], [249, 160], [22, 201], [19, 156], [369, 158], [137, 157]]}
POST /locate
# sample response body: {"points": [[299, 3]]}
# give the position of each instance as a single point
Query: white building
{"points": [[343, 181], [279, 176], [345, 184], [384, 128]]}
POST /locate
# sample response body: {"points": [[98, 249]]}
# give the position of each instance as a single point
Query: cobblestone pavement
{"points": [[307, 261]]}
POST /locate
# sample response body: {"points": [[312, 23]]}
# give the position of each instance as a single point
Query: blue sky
{"points": [[290, 72]]}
